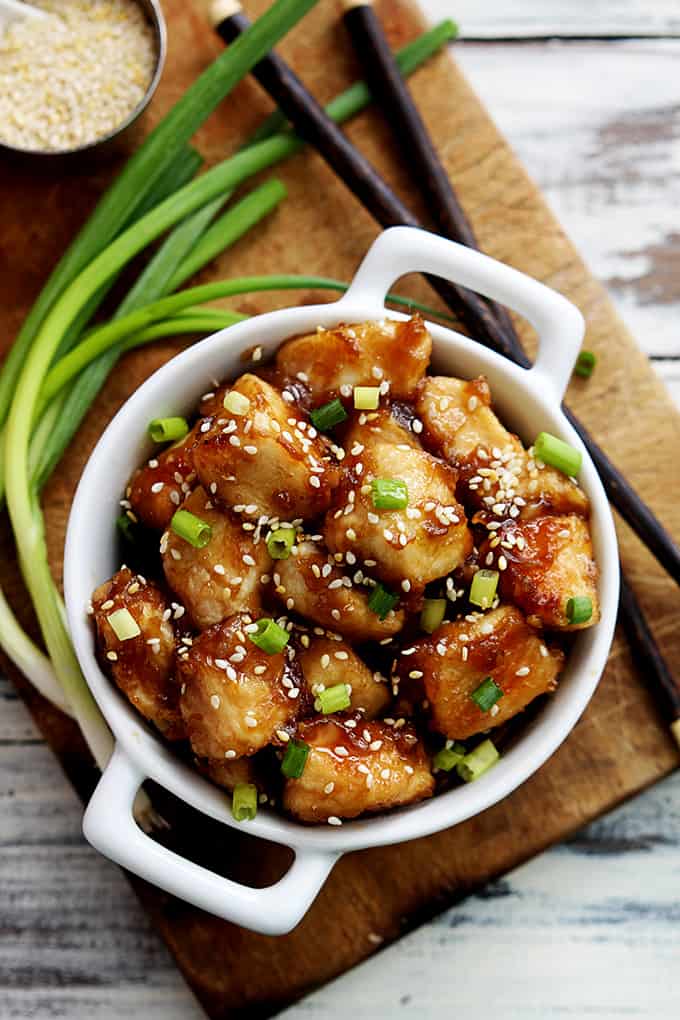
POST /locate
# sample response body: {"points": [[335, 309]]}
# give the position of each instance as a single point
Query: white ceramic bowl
{"points": [[529, 401]]}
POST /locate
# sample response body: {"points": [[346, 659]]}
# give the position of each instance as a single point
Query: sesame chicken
{"points": [[426, 539], [314, 585], [448, 666], [143, 664], [331, 362], [496, 474], [350, 770], [221, 578], [325, 663], [159, 486], [229, 772], [235, 697], [546, 561], [311, 566], [268, 457]]}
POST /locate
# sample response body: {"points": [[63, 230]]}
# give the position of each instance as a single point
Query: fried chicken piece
{"points": [[326, 663], [411, 546], [221, 578], [235, 698], [356, 766], [142, 665], [159, 486], [269, 458], [313, 585], [549, 560], [460, 426], [331, 362], [448, 666]]}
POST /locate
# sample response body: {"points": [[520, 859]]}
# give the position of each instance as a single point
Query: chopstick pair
{"points": [[482, 317]]}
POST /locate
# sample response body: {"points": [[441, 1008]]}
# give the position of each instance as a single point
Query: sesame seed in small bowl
{"points": [[79, 77]]}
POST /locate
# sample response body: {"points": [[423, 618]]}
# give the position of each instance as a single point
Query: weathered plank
{"points": [[539, 19], [597, 126]]}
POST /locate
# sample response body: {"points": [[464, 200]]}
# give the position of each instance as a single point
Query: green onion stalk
{"points": [[67, 294], [72, 293]]}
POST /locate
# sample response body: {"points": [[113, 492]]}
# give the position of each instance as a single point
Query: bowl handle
{"points": [[559, 324], [109, 826]]}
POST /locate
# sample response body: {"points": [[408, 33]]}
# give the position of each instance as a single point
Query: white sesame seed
{"points": [[334, 820]]}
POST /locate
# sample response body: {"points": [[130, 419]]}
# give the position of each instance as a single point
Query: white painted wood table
{"points": [[588, 929]]}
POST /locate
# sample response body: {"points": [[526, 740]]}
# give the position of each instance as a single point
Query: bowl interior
{"points": [[91, 557]]}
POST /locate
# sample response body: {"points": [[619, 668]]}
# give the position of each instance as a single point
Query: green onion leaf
{"points": [[168, 430], [333, 699], [448, 757], [558, 454], [432, 614], [191, 528], [271, 638], [579, 609], [366, 398], [483, 588], [280, 543], [487, 694], [585, 363], [126, 528], [295, 759], [478, 761], [244, 802], [389, 494], [326, 417], [382, 601]]}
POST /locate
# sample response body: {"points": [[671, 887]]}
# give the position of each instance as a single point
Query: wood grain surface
{"points": [[617, 748]]}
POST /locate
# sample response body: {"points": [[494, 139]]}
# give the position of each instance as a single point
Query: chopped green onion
{"points": [[558, 454], [366, 398], [123, 624], [191, 528], [448, 757], [585, 363], [236, 403], [478, 761], [389, 494], [168, 430], [244, 802], [432, 614], [382, 601], [326, 417], [483, 588], [269, 636], [579, 609], [487, 694], [295, 759], [280, 543], [126, 528], [333, 699]]}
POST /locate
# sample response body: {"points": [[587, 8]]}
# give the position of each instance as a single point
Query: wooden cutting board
{"points": [[617, 749]]}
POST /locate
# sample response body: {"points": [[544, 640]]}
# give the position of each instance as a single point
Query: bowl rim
{"points": [[532, 748]]}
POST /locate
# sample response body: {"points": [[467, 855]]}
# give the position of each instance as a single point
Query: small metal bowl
{"points": [[106, 143]]}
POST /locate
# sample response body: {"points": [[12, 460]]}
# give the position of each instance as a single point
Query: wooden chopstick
{"points": [[393, 96], [652, 667], [312, 123]]}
